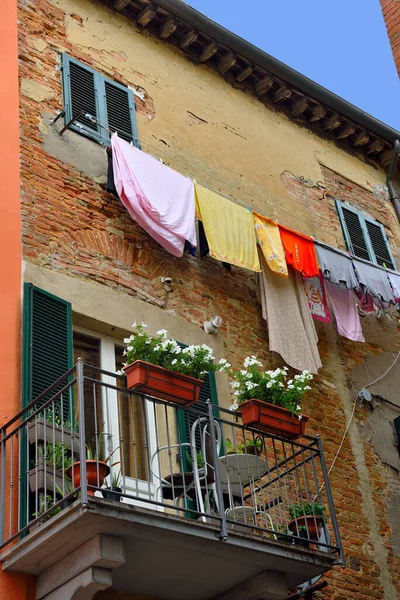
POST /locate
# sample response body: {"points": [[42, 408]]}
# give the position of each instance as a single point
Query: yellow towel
{"points": [[269, 238], [229, 229]]}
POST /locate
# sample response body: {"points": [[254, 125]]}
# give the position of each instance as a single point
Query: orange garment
{"points": [[299, 251]]}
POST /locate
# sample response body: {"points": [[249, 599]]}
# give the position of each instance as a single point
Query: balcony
{"points": [[203, 506]]}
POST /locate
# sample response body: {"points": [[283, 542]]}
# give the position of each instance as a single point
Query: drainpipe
{"points": [[394, 197]]}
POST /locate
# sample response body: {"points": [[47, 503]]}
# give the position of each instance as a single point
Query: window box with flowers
{"points": [[267, 400], [161, 368]]}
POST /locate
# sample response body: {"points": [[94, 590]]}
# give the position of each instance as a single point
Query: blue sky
{"points": [[340, 44]]}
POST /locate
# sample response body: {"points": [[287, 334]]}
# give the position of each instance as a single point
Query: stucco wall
{"points": [[80, 243]]}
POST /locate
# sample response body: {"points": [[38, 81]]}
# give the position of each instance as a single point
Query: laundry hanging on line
{"points": [[374, 279], [336, 265], [299, 251], [269, 240], [291, 329], [229, 229], [157, 197], [314, 288], [345, 310]]}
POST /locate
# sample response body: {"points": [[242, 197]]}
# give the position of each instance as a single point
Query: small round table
{"points": [[240, 469]]}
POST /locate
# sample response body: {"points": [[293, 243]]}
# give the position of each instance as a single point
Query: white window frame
{"points": [[133, 486]]}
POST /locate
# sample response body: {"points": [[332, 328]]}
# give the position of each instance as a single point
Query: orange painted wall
{"points": [[15, 586]]}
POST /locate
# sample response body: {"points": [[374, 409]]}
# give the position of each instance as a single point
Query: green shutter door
{"points": [[46, 356], [47, 341]]}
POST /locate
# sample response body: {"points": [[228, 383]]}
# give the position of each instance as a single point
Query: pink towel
{"points": [[345, 310], [157, 197]]}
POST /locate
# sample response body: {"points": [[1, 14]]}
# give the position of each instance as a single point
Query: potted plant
{"points": [[159, 367], [267, 400], [253, 446], [50, 467], [50, 425], [96, 469], [113, 491], [307, 520]]}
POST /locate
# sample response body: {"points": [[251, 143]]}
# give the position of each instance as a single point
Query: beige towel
{"points": [[291, 328]]}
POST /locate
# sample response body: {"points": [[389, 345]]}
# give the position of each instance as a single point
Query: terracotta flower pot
{"points": [[92, 468], [162, 384], [272, 419], [313, 526]]}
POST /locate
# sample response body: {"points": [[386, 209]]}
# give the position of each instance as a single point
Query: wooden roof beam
{"points": [[226, 62], [167, 28], [208, 51], [245, 73], [188, 39], [375, 146], [146, 15], [317, 113], [361, 138], [120, 4], [299, 106], [347, 130], [262, 86], [332, 122], [282, 94]]}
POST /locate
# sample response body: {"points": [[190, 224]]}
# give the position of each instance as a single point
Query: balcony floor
{"points": [[168, 557]]}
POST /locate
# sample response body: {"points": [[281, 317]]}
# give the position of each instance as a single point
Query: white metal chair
{"points": [[194, 484]]}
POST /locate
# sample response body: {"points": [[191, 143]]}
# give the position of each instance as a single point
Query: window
{"points": [[110, 103], [365, 238]]}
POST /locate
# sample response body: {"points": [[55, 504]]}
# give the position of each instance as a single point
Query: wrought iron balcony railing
{"points": [[88, 436]]}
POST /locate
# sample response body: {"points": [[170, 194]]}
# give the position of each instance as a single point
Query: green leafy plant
{"points": [[195, 361], [45, 503], [269, 386], [57, 455], [252, 446], [313, 509], [115, 480], [199, 457], [96, 455]]}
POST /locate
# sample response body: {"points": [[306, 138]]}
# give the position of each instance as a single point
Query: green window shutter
{"points": [[111, 103], [380, 244], [121, 112], [208, 391], [47, 343], [365, 238], [81, 92], [353, 231]]}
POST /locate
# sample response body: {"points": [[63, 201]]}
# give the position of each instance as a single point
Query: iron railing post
{"points": [[2, 486], [223, 532], [81, 421], [330, 502]]}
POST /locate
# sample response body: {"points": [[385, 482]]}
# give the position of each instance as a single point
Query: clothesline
{"points": [[226, 183]]}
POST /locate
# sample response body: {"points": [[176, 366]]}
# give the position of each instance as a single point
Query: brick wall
{"points": [[391, 14], [72, 225]]}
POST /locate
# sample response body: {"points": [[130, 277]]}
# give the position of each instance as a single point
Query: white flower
{"points": [[120, 372], [234, 406], [298, 407], [269, 384], [235, 384], [281, 384], [300, 417], [143, 324], [157, 347], [134, 324], [162, 332], [249, 375], [290, 386], [236, 393], [173, 362], [244, 373], [224, 363], [307, 387], [148, 341]]}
